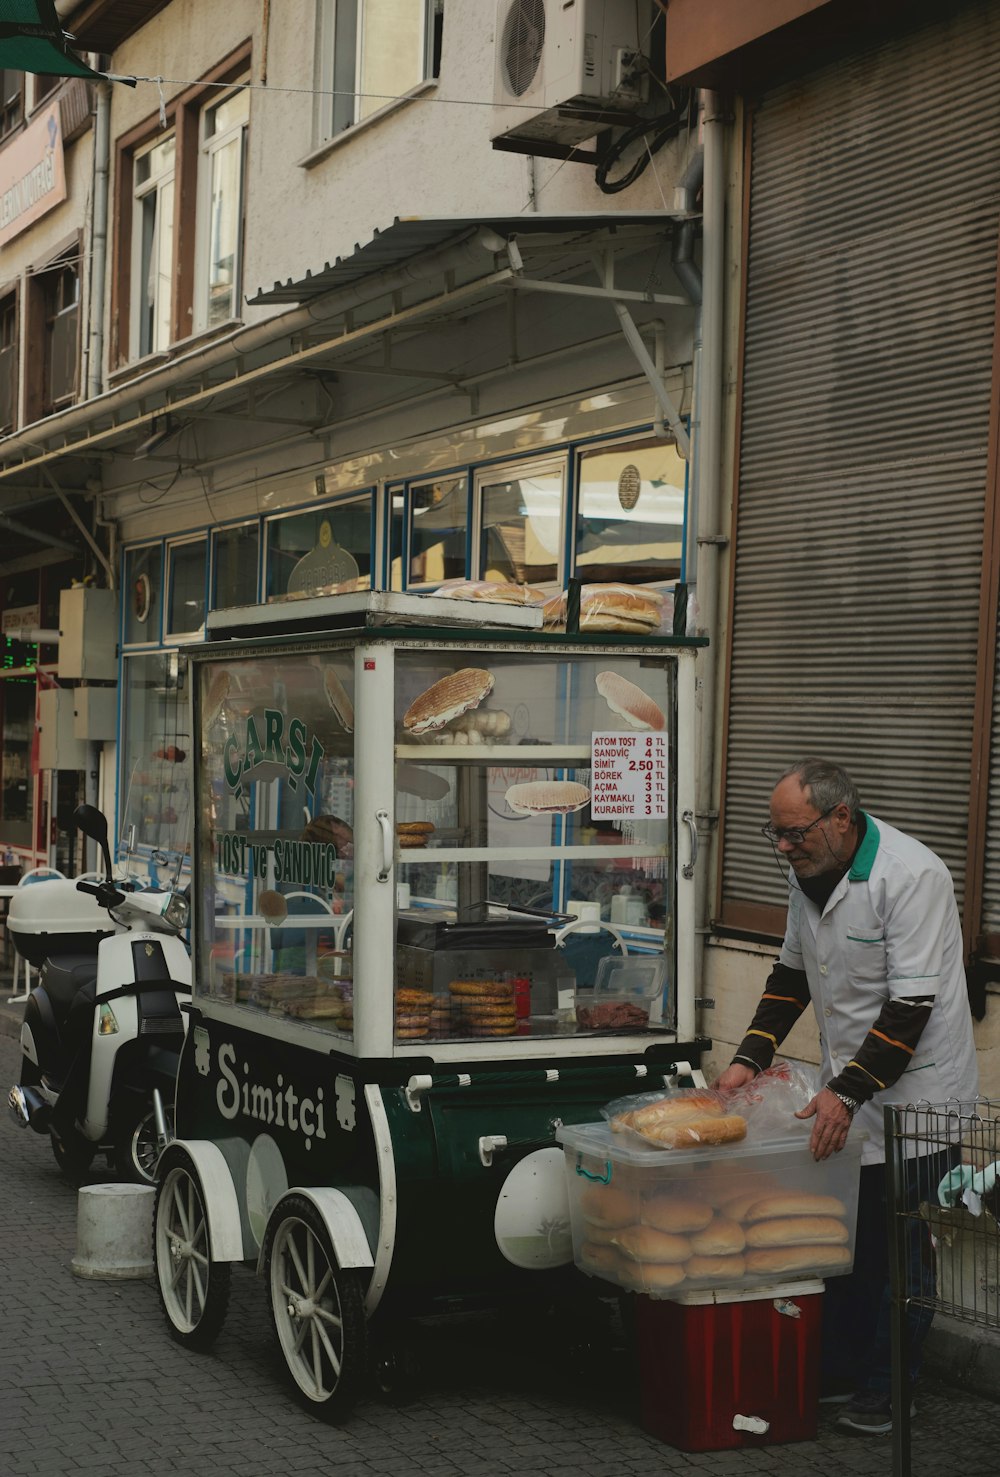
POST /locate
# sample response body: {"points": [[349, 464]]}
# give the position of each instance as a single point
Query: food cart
{"points": [[413, 831]]}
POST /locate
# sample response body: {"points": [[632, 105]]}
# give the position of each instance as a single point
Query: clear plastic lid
{"points": [[634, 977]]}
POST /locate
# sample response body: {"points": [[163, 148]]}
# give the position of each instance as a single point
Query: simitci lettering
{"points": [[277, 1105]]}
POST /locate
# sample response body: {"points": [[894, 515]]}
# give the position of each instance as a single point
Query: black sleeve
{"points": [[785, 997], [887, 1050]]}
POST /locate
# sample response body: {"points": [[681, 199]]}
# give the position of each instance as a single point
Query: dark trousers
{"points": [[857, 1309]]}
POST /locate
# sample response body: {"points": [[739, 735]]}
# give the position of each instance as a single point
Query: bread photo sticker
{"points": [[215, 700], [631, 704], [448, 698], [336, 696], [272, 906], [547, 797]]}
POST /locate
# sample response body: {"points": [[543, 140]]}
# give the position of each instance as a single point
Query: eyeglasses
{"points": [[795, 835]]}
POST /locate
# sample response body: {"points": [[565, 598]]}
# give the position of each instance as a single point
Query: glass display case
{"points": [[454, 844]]}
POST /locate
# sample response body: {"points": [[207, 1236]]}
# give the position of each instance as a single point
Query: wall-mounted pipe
{"points": [[99, 242]]}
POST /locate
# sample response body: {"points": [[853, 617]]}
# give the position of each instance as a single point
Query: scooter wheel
{"points": [[194, 1289], [73, 1155], [317, 1311], [136, 1147]]}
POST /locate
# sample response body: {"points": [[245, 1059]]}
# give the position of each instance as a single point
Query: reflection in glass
{"points": [[522, 529], [15, 759], [156, 752], [321, 551], [186, 602], [236, 553], [438, 517], [630, 524], [143, 580]]}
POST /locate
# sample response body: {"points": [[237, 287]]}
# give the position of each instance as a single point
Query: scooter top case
{"points": [[53, 918]]}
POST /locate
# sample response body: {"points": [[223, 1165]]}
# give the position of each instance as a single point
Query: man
{"points": [[873, 940]]}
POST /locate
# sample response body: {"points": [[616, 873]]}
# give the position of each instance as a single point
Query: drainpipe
{"points": [[688, 275], [711, 539], [99, 241]]}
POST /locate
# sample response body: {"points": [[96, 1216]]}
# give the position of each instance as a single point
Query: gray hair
{"points": [[827, 783]]}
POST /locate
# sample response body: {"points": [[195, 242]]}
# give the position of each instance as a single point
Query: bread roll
{"points": [[693, 1133], [714, 1270], [720, 1238], [653, 1276], [635, 707], [787, 1202], [671, 1109], [600, 1257], [605, 1205], [667, 1213], [646, 1244], [797, 1259], [797, 1230], [336, 696]]}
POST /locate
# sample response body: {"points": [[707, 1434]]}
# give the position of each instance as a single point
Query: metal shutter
{"points": [[871, 276]]}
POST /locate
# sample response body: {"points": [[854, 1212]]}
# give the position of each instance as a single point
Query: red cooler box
{"points": [[723, 1370]]}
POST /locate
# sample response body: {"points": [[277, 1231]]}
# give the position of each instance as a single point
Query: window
{"points": [[155, 782], [437, 532], [186, 587], [11, 101], [630, 517], [8, 363], [45, 86], [236, 555], [371, 52], [61, 299], [178, 213], [311, 553], [153, 247], [520, 533], [141, 594], [223, 150]]}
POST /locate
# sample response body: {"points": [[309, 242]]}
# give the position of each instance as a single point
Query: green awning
{"points": [[32, 40]]}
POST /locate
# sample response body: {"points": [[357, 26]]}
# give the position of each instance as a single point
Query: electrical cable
{"points": [[655, 132]]}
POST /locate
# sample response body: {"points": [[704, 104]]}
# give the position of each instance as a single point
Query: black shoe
{"points": [[869, 1414]]}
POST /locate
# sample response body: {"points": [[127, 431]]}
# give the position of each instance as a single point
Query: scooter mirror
{"points": [[93, 823]]}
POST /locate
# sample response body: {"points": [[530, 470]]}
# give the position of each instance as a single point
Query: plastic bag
{"points": [[506, 594], [769, 1103], [645, 610], [687, 1119]]}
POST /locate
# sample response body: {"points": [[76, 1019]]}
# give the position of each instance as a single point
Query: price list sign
{"points": [[628, 776]]}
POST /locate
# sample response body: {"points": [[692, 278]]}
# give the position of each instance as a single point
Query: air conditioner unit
{"points": [[565, 71]]}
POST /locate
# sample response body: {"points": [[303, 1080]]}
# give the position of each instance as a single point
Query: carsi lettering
{"points": [[276, 1104]]}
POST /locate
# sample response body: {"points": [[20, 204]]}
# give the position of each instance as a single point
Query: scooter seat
{"points": [[63, 977]]}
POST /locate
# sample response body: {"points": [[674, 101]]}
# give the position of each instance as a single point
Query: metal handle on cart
{"points": [[382, 816], [687, 817], [602, 1179]]}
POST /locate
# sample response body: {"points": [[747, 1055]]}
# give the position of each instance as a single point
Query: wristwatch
{"points": [[850, 1103]]}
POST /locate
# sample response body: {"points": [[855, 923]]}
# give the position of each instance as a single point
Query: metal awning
{"points": [[366, 316]]}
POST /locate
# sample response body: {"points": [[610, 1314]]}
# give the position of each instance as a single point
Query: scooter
{"points": [[103, 1028]]}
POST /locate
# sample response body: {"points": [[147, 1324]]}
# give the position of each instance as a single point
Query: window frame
{"points": [[151, 187], [326, 509], [208, 147], [416, 485], [213, 572], [511, 471], [12, 104], [612, 447], [10, 299], [191, 633]]}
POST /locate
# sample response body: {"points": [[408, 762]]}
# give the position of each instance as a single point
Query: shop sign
{"points": [[32, 175], [269, 748], [18, 618], [629, 776]]}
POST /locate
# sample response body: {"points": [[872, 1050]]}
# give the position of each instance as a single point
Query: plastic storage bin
{"points": [[738, 1373], [626, 992], [741, 1216]]}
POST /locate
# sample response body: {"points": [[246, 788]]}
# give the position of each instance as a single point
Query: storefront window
{"points": [[18, 695], [630, 522], [321, 552], [236, 555], [186, 599], [277, 836], [521, 527], [156, 753], [143, 584], [397, 513], [438, 522]]}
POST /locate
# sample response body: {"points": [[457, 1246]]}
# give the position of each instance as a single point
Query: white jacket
{"points": [[889, 931]]}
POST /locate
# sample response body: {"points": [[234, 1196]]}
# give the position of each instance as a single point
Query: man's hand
{"points": [[833, 1122], [737, 1075]]}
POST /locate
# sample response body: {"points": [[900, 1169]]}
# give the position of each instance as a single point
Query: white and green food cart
{"points": [[443, 904]]}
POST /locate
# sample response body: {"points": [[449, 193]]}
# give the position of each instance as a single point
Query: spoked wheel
{"points": [[137, 1148], [317, 1309], [194, 1289], [73, 1154]]}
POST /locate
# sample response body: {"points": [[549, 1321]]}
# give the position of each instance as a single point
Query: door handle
{"points": [[382, 816]]}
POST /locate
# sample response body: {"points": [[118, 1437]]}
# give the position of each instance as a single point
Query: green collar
{"points": [[864, 857]]}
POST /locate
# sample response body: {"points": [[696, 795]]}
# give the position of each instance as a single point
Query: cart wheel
{"points": [[73, 1154], [194, 1289], [317, 1309], [137, 1148]]}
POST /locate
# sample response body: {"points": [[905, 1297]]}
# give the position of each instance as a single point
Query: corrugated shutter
{"points": [[875, 196]]}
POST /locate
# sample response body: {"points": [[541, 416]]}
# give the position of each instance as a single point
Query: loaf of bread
{"points": [[600, 1257], [715, 1270], [647, 1244], [782, 1259], [797, 1230], [720, 1238], [787, 1202], [604, 1205], [670, 1110], [653, 1276], [694, 1133], [667, 1213]]}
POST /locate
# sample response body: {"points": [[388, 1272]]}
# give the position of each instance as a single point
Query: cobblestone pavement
{"points": [[92, 1384]]}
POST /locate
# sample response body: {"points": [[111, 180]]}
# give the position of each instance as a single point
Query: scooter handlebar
{"points": [[106, 893]]}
